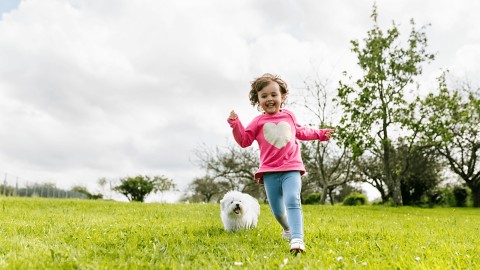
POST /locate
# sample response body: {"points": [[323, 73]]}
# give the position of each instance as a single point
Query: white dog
{"points": [[239, 211]]}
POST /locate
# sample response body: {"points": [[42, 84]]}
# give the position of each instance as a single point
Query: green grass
{"points": [[77, 234]]}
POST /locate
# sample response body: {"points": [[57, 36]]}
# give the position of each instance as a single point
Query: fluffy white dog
{"points": [[239, 211]]}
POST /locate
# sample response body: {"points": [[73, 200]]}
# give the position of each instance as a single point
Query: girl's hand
{"points": [[233, 115], [329, 133]]}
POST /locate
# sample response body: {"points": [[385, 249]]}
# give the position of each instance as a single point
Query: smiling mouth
{"points": [[270, 106], [237, 210]]}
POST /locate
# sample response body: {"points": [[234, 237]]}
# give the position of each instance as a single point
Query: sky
{"points": [[107, 89]]}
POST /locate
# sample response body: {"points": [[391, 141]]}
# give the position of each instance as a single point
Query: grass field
{"points": [[77, 234]]}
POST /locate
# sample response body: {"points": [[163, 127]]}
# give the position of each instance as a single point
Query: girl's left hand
{"points": [[329, 133]]}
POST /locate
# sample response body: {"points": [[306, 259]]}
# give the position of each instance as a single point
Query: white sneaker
{"points": [[297, 245], [286, 235]]}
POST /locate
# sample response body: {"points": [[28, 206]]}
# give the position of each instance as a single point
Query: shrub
{"points": [[442, 196], [461, 194], [355, 198], [312, 198]]}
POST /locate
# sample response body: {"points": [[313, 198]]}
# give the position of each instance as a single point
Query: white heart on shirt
{"points": [[277, 135]]}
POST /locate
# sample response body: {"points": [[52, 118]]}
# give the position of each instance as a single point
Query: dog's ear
{"points": [[222, 203]]}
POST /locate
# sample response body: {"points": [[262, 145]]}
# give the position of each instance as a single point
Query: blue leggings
{"points": [[283, 191]]}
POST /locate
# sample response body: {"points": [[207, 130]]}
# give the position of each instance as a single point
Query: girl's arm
{"points": [[309, 134], [244, 137]]}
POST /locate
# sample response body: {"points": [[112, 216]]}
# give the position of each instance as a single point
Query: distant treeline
{"points": [[39, 190]]}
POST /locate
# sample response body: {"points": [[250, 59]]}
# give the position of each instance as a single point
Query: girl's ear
{"points": [[284, 97]]}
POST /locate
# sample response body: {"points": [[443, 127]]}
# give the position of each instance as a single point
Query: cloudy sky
{"points": [[92, 89]]}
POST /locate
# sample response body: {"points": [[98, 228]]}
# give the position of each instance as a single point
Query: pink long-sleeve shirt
{"points": [[276, 136]]}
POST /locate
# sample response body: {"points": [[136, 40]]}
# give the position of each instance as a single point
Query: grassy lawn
{"points": [[77, 234]]}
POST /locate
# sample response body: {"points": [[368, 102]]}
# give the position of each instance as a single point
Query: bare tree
{"points": [[232, 168], [328, 165], [205, 187]]}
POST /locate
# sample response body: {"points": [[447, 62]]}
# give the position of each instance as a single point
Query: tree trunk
{"points": [[330, 194], [323, 197], [475, 194], [393, 183], [381, 190], [397, 193]]}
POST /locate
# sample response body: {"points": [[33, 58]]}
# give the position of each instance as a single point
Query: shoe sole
{"points": [[295, 251]]}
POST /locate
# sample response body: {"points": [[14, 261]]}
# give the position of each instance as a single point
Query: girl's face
{"points": [[270, 98]]}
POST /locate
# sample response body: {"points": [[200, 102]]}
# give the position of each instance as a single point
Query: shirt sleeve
{"points": [[243, 136], [308, 134]]}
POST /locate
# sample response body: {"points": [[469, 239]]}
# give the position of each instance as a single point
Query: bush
{"points": [[355, 198], [461, 194], [442, 196], [312, 198]]}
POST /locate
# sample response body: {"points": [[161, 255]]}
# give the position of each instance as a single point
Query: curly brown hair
{"points": [[259, 83]]}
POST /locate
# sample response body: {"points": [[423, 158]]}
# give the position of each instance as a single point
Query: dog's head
{"points": [[234, 203]]}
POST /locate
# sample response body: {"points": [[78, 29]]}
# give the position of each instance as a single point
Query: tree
{"points": [[420, 177], [205, 187], [375, 104], [369, 169], [138, 187], [233, 169], [326, 169], [452, 128], [83, 190], [106, 186]]}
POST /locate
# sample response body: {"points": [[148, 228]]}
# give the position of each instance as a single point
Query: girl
{"points": [[281, 166]]}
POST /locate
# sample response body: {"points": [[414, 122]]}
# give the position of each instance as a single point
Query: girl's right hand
{"points": [[232, 116]]}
